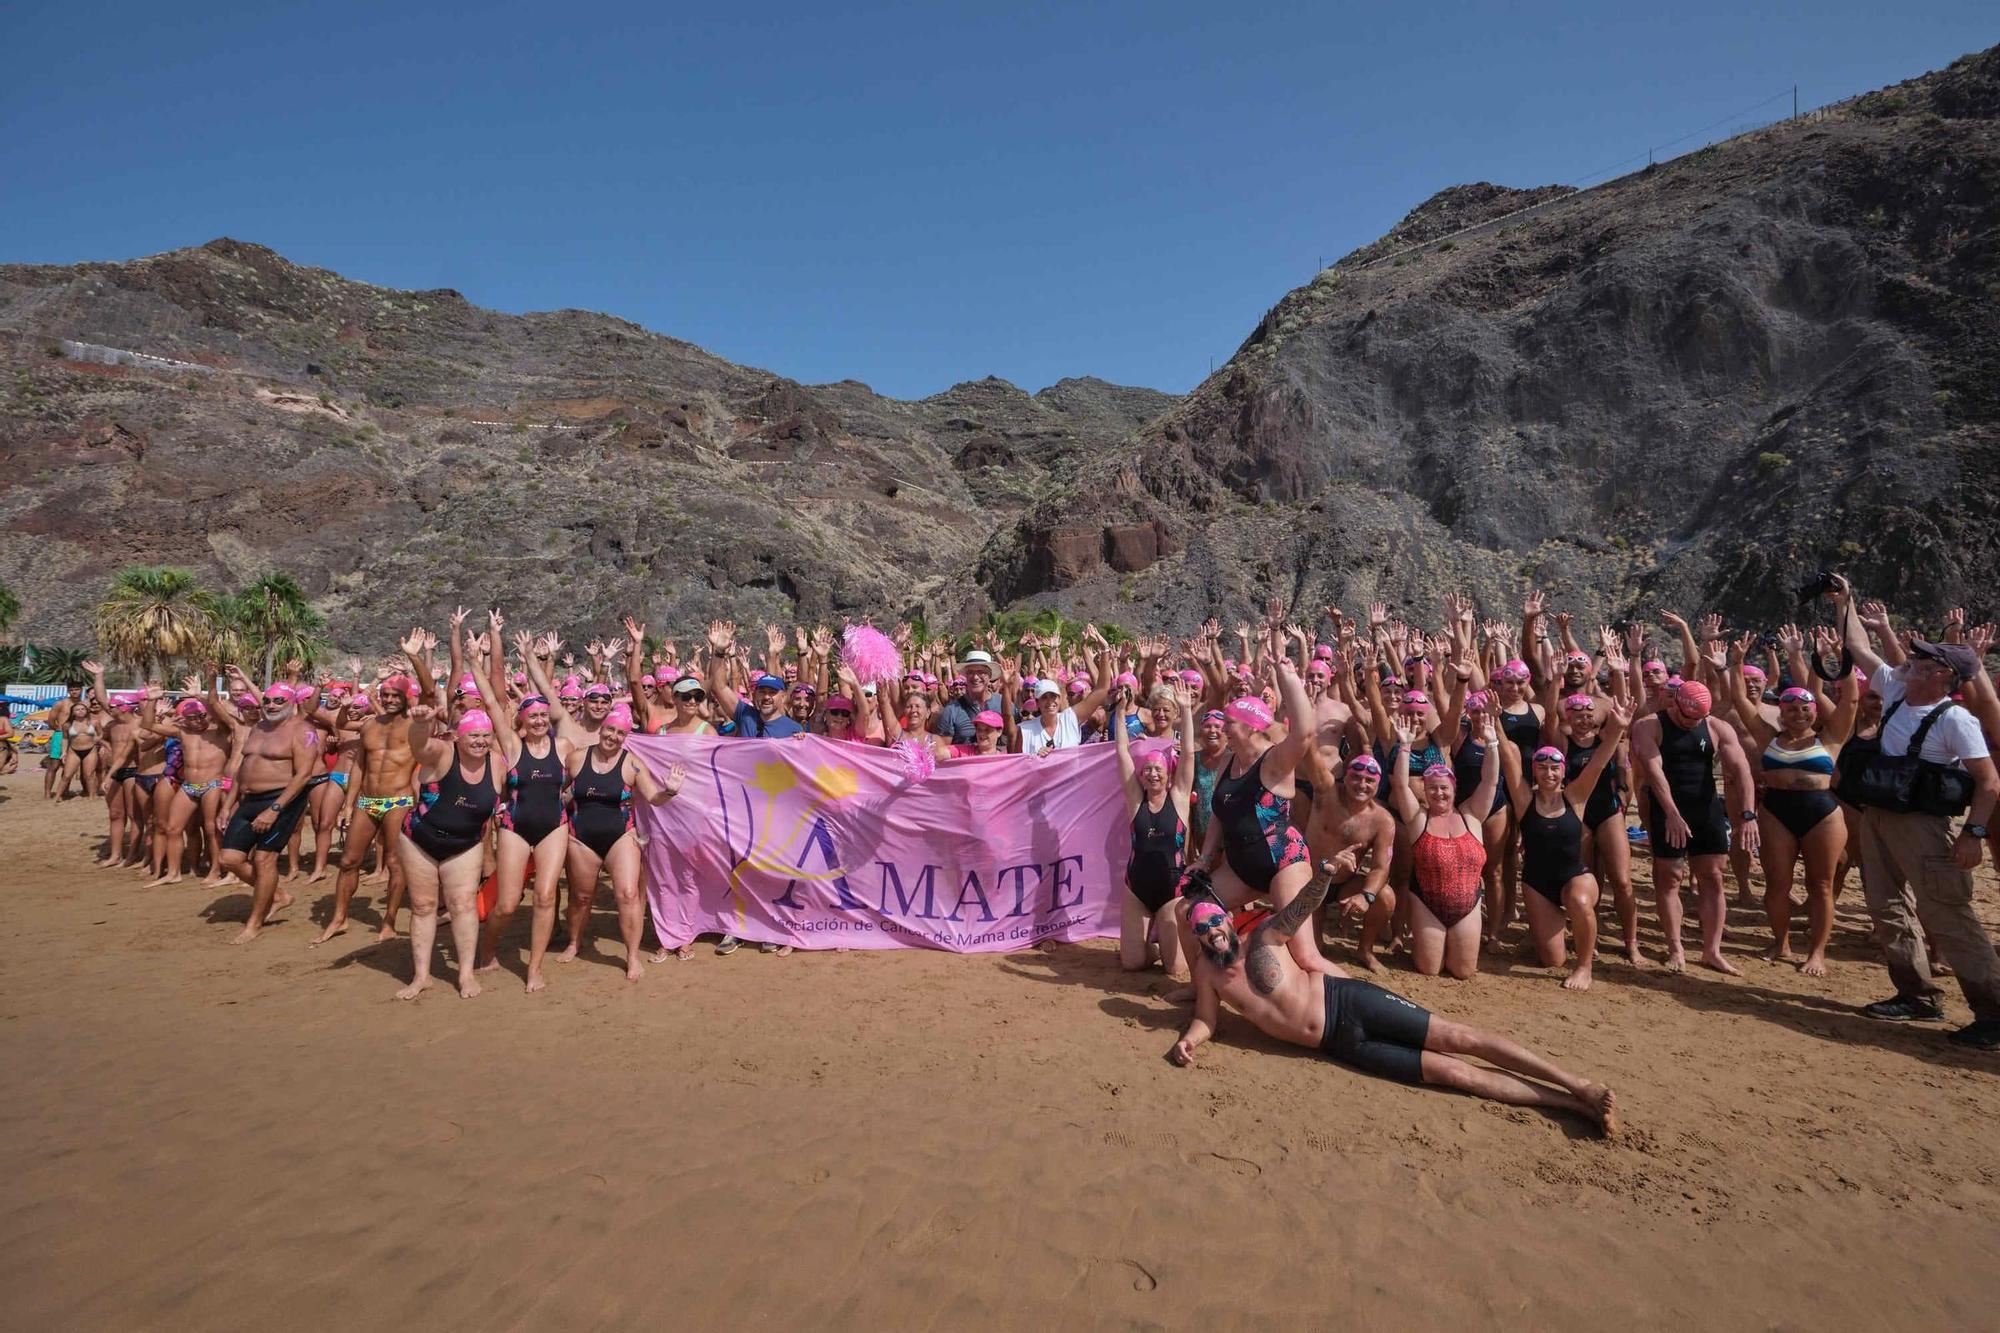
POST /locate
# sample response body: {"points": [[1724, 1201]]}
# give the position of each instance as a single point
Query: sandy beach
{"points": [[196, 1136]]}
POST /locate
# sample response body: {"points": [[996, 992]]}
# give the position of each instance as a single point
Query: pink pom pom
{"points": [[919, 757], [870, 654]]}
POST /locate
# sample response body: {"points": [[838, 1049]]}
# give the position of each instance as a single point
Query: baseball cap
{"points": [[767, 681], [986, 717], [1047, 688], [1961, 659]]}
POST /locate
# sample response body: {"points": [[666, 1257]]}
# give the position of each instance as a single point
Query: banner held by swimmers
{"points": [[823, 844]]}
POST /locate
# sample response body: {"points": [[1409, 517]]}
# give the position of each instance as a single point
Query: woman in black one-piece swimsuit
{"points": [[1157, 796], [440, 847]]}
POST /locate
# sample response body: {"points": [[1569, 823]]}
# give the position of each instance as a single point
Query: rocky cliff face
{"points": [[401, 452], [1691, 387]]}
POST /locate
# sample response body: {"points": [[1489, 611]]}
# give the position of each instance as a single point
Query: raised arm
{"points": [[1519, 790], [1128, 777], [1690, 654], [420, 669], [721, 642], [1580, 785], [1299, 726], [1400, 794], [1747, 712], [1853, 635], [1481, 800]]}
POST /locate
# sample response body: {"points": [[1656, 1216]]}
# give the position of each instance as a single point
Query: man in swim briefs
{"points": [[383, 792], [1245, 961]]}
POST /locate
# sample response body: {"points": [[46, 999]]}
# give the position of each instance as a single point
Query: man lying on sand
{"points": [[1245, 961]]}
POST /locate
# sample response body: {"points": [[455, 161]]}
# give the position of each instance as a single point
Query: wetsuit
{"points": [[454, 815], [1688, 758], [600, 804], [1552, 850], [1257, 833], [534, 805], [1374, 1030], [1799, 811], [1159, 842], [1607, 798], [1445, 872]]}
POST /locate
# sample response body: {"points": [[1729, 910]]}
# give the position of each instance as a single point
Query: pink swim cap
{"points": [[400, 684], [1550, 752], [620, 717], [1191, 677], [1323, 652], [1441, 771], [1695, 698], [191, 708], [474, 720], [1514, 670], [1124, 678], [986, 717], [1479, 701], [1250, 711], [1753, 671], [1579, 703], [570, 692]]}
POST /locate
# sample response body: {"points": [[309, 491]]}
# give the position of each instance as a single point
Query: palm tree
{"points": [[273, 613], [155, 615], [57, 666]]}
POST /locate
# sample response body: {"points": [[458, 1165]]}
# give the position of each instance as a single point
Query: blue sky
{"points": [[909, 195]]}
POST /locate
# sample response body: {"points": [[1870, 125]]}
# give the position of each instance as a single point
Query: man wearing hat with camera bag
{"points": [[1932, 765]]}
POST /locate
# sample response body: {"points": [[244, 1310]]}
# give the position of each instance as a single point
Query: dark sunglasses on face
{"points": [[693, 697]]}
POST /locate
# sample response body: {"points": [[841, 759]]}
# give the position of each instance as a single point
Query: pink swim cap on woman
{"points": [[1514, 670], [1250, 711], [472, 720], [1442, 771], [1191, 677], [620, 717], [1579, 703], [1795, 695], [1550, 752]]}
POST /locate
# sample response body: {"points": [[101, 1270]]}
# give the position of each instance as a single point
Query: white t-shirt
{"points": [[1955, 738], [1035, 738]]}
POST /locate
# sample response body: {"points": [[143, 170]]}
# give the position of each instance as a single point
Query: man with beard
{"points": [[383, 791], [277, 764], [763, 716], [1245, 960]]}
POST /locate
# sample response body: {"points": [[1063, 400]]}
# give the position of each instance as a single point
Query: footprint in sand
{"points": [[1116, 1273], [1114, 1139], [1237, 1166]]}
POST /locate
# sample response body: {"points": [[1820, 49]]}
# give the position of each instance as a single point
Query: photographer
{"points": [[1933, 763]]}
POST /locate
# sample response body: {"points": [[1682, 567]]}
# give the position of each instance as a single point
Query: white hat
{"points": [[1047, 688], [978, 657]]}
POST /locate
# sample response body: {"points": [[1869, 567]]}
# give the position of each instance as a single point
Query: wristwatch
{"points": [[1974, 830], [1748, 817]]}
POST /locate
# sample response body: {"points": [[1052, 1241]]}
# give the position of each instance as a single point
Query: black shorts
{"points": [[1374, 1030], [1708, 829], [240, 837]]}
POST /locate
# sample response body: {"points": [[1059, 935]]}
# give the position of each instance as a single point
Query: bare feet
{"points": [[1365, 959], [634, 969], [1716, 962], [414, 989], [536, 982], [1781, 952], [1180, 995], [567, 955], [249, 933], [468, 984], [164, 879], [317, 876], [387, 933], [1814, 965], [278, 904], [1676, 961], [1632, 954], [1603, 1105], [1579, 979], [490, 965], [333, 928]]}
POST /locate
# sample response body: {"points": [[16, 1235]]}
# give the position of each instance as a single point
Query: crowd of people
{"points": [[1369, 784]]}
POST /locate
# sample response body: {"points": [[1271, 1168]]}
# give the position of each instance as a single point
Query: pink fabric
{"points": [[823, 845]]}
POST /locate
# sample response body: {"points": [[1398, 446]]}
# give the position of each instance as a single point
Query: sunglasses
{"points": [[844, 714], [692, 696]]}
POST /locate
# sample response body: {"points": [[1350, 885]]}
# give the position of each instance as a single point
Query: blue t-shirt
{"points": [[747, 722]]}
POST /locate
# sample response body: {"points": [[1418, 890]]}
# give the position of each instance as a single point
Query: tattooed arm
{"points": [[1264, 963]]}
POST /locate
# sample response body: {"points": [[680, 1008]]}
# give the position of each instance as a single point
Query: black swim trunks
{"points": [[240, 837], [1374, 1030], [1708, 827]]}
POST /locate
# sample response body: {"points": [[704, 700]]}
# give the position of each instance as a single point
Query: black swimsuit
{"points": [[1158, 842], [1687, 757], [534, 807], [454, 815], [1257, 834], [600, 805], [1607, 798], [1552, 850]]}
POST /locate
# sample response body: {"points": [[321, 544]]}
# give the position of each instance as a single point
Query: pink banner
{"points": [[824, 845]]}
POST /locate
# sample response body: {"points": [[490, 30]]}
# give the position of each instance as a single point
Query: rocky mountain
{"points": [[400, 452], [1691, 387]]}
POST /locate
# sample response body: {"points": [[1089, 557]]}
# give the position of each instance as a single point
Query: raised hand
{"points": [[1535, 602], [1740, 646], [1954, 625], [191, 684], [413, 642], [1274, 612], [721, 635], [1405, 729], [1711, 627], [634, 630], [94, 668], [613, 649], [1789, 638], [524, 644], [458, 617], [551, 645], [1673, 621], [1562, 620], [774, 638], [822, 640], [1378, 615], [1621, 716], [1979, 638], [671, 784], [430, 643]]}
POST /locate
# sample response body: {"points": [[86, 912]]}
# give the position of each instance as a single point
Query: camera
{"points": [[1819, 585]]}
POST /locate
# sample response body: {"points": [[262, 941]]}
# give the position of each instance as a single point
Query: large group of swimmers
{"points": [[1395, 789]]}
